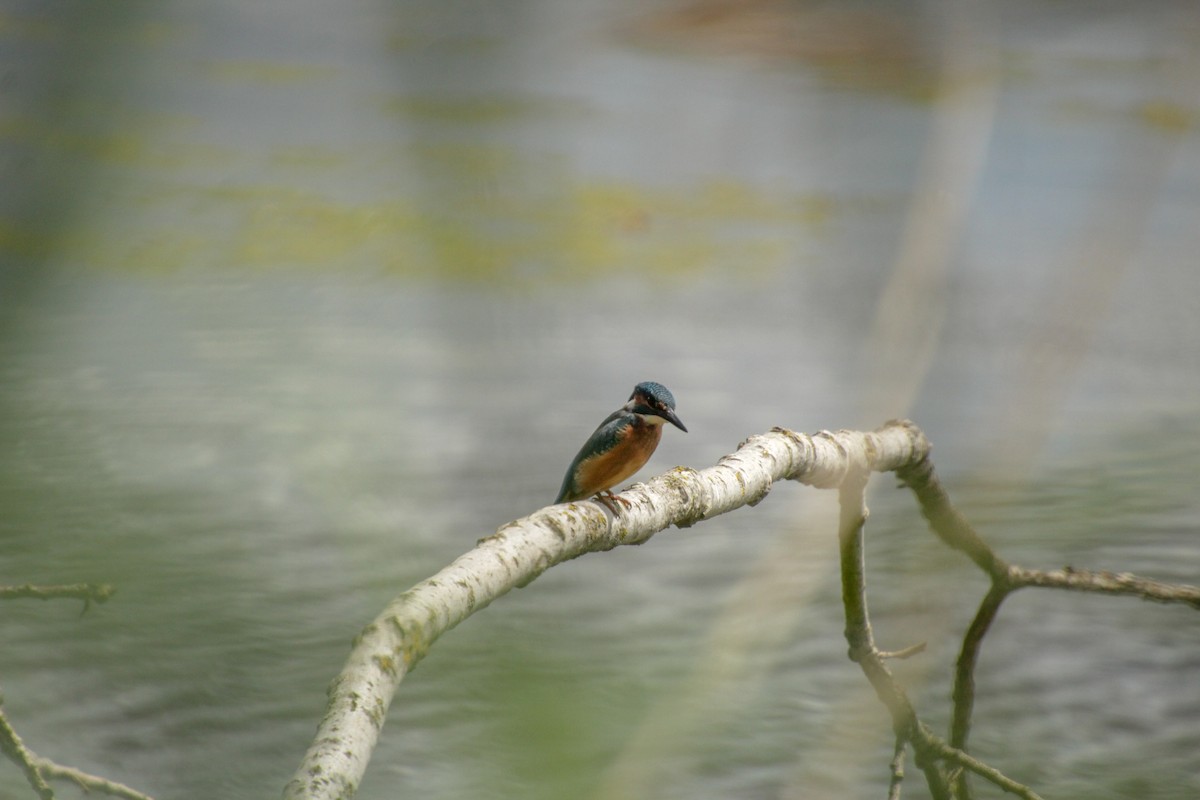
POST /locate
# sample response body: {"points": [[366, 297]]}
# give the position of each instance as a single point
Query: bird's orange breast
{"points": [[625, 458]]}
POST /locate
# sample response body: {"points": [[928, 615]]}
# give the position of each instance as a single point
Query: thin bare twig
{"points": [[38, 769], [953, 528], [906, 652], [930, 751], [853, 515], [968, 656], [897, 767], [969, 762], [946, 521], [12, 746], [88, 782], [1121, 583], [87, 592]]}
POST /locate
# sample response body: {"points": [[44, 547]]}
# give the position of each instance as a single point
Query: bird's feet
{"points": [[611, 501]]}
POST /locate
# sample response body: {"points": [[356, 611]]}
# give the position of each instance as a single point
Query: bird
{"points": [[618, 448]]}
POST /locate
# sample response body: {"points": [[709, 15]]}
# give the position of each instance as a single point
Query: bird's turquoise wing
{"points": [[603, 439]]}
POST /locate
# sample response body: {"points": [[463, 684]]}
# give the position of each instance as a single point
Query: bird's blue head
{"points": [[654, 403]]}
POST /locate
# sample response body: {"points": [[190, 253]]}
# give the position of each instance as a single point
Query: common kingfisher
{"points": [[621, 445]]}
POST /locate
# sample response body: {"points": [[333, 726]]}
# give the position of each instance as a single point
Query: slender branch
{"points": [[954, 529], [897, 767], [968, 656], [852, 518], [12, 746], [87, 592], [1016, 578], [1122, 583], [928, 748], [946, 521], [38, 769], [968, 762], [903, 653], [86, 781]]}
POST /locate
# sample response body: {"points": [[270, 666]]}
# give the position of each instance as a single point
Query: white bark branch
{"points": [[521, 550]]}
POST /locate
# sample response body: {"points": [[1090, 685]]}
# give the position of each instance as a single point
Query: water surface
{"points": [[299, 305]]}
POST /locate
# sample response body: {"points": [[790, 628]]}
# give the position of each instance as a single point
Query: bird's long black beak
{"points": [[670, 417]]}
